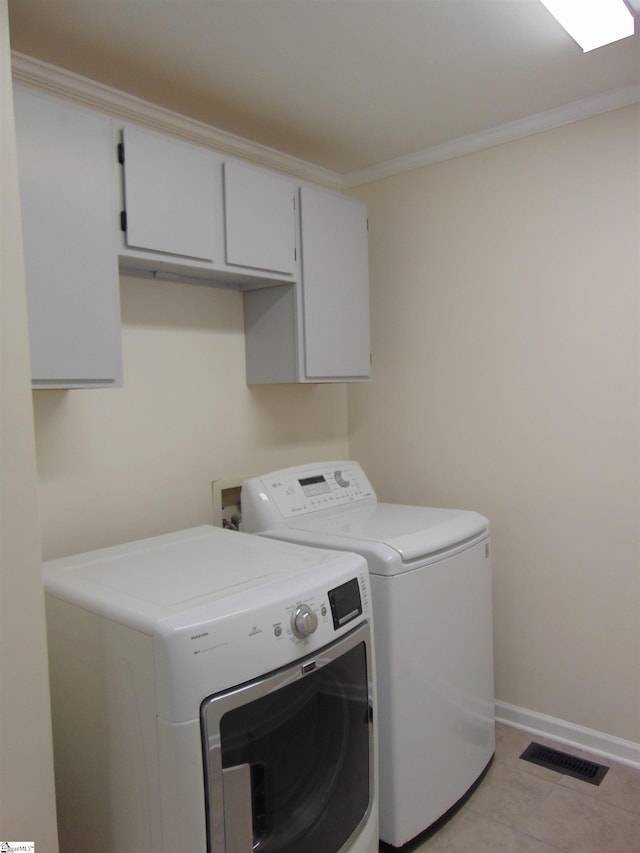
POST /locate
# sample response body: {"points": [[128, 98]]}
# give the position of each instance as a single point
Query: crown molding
{"points": [[57, 81], [537, 123]]}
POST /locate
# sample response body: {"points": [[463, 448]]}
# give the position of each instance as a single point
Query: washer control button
{"points": [[304, 621]]}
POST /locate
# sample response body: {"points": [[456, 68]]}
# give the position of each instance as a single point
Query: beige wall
{"points": [[27, 804], [505, 292], [121, 464]]}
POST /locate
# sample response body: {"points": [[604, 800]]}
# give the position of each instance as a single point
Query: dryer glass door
{"points": [[288, 757]]}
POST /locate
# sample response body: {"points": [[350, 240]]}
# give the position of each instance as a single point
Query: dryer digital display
{"points": [[345, 602]]}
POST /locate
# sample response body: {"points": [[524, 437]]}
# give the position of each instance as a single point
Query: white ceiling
{"points": [[344, 84]]}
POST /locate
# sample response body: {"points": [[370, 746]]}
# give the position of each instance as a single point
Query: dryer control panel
{"points": [[291, 492]]}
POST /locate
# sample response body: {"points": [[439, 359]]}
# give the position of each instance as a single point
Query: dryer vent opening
{"points": [[562, 762]]}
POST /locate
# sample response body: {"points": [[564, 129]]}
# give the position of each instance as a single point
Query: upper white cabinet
{"points": [[170, 194], [335, 283], [66, 172], [99, 195], [259, 215], [186, 210], [317, 331]]}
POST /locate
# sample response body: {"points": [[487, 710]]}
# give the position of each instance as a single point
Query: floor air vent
{"points": [[561, 762]]}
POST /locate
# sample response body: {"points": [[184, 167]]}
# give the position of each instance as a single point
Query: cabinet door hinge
{"points": [[123, 220], [121, 153]]}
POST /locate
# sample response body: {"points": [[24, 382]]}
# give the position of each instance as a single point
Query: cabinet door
{"points": [[66, 168], [259, 218], [169, 191], [335, 285]]}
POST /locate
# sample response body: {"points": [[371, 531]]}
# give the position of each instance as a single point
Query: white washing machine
{"points": [[212, 691], [430, 575]]}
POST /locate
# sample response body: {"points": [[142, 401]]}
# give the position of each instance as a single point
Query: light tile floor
{"points": [[523, 808]]}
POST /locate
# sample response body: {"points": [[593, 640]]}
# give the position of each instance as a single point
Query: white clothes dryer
{"points": [[212, 691], [431, 584]]}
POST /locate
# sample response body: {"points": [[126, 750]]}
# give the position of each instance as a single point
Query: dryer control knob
{"points": [[304, 621]]}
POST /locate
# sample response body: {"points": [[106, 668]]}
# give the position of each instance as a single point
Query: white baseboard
{"points": [[598, 743]]}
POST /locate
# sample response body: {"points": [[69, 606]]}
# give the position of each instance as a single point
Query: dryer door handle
{"points": [[238, 816]]}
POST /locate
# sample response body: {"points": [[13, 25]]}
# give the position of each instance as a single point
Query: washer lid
{"points": [[412, 531]]}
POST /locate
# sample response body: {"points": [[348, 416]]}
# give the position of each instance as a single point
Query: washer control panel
{"points": [[310, 488]]}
